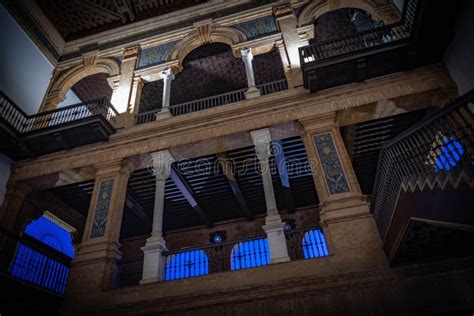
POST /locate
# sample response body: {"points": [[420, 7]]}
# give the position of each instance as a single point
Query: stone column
{"points": [[134, 101], [153, 263], [247, 57], [273, 223], [121, 95], [167, 76], [344, 212], [11, 207], [94, 268], [287, 23]]}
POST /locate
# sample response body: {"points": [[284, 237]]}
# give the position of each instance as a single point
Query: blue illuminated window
{"points": [[250, 254], [314, 244], [450, 155], [186, 264], [34, 267]]}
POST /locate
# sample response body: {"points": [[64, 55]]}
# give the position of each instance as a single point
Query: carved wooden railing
{"points": [[212, 101], [366, 40], [29, 260], [24, 123], [436, 147]]}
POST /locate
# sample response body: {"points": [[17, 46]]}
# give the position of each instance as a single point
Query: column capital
{"points": [[261, 139], [167, 74], [161, 164], [246, 53]]}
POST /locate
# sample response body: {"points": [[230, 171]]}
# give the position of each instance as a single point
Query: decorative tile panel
{"points": [[258, 27], [331, 164], [154, 55], [101, 211]]}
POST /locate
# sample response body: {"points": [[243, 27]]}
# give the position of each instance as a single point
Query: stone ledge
{"points": [[290, 105]]}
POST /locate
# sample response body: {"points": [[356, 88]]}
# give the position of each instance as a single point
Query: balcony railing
{"points": [[24, 123], [379, 36], [436, 147], [213, 101], [33, 262], [306, 243]]}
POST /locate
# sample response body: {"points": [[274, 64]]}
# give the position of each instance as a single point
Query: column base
{"points": [[164, 113], [252, 92], [276, 238], [153, 261], [148, 281], [279, 260]]}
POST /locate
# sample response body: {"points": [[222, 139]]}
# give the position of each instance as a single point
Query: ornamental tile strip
{"points": [[154, 55], [331, 164], [257, 27], [102, 208]]}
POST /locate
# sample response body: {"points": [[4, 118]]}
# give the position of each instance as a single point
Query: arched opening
{"points": [[186, 264], [314, 244], [211, 70], [342, 22], [88, 88], [250, 254], [45, 269]]}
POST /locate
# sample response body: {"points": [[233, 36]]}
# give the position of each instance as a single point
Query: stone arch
{"points": [[315, 9], [65, 80], [197, 38]]}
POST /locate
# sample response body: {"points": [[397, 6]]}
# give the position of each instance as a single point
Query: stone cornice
{"points": [[290, 105], [142, 27]]}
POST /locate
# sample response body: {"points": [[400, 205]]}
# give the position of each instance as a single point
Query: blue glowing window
{"points": [[314, 244], [250, 254], [34, 267], [186, 264], [450, 154]]}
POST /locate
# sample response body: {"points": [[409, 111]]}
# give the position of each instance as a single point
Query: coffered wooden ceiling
{"points": [[78, 18]]}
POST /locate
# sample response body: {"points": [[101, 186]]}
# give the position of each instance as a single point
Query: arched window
{"points": [[38, 268], [314, 244], [250, 254], [449, 155], [186, 264]]}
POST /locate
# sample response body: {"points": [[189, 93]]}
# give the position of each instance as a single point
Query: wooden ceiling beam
{"points": [[184, 188], [226, 165]]}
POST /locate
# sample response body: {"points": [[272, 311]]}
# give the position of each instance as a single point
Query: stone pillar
{"points": [[287, 23], [344, 212], [11, 207], [273, 223], [153, 263], [94, 268], [134, 101], [122, 93], [247, 57], [167, 76]]}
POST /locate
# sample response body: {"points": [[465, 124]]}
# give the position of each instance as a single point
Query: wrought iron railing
{"points": [[31, 261], [130, 271], [225, 256], [376, 37], [437, 146], [306, 243], [212, 101], [24, 123]]}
